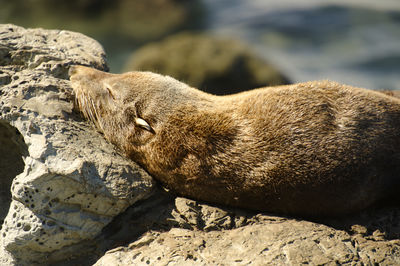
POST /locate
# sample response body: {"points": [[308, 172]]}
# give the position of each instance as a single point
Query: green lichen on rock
{"points": [[220, 66]]}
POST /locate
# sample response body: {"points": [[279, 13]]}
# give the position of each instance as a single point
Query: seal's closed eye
{"points": [[143, 124]]}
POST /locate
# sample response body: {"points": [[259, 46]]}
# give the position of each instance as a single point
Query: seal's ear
{"points": [[143, 124]]}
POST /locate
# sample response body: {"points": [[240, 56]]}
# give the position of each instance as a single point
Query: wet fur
{"points": [[311, 149]]}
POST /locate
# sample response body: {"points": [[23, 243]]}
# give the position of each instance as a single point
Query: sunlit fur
{"points": [[315, 148]]}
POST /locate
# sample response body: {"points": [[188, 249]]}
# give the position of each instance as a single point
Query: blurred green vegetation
{"points": [[137, 20], [216, 65]]}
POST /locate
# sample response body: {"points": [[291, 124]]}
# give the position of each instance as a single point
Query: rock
{"points": [[12, 149], [256, 244], [71, 183], [186, 232], [219, 66]]}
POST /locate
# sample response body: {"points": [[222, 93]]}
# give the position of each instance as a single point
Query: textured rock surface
{"points": [[186, 232], [272, 243], [71, 182], [219, 66], [12, 149]]}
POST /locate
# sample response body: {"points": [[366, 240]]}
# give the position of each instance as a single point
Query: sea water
{"points": [[356, 42]]}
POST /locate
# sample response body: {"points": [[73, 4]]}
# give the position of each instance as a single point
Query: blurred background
{"points": [[224, 46]]}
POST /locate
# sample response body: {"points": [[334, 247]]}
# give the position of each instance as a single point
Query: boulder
{"points": [[67, 182], [186, 232], [219, 66]]}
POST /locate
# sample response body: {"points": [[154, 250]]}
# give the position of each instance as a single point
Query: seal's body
{"points": [[311, 149]]}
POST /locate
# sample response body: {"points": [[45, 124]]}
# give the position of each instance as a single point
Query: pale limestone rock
{"points": [[260, 240], [71, 182], [186, 232]]}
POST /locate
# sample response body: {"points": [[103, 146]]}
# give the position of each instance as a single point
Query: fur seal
{"points": [[310, 149]]}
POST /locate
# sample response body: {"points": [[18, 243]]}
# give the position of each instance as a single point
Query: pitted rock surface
{"points": [[185, 232], [67, 181]]}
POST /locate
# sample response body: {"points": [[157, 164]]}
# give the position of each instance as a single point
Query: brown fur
{"points": [[315, 148]]}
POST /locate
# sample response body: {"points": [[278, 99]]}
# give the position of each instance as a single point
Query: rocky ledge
{"points": [[67, 196], [67, 181]]}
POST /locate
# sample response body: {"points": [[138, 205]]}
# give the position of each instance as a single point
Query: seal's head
{"points": [[128, 108]]}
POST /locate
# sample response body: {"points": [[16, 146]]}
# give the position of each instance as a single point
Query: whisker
{"points": [[88, 108]]}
